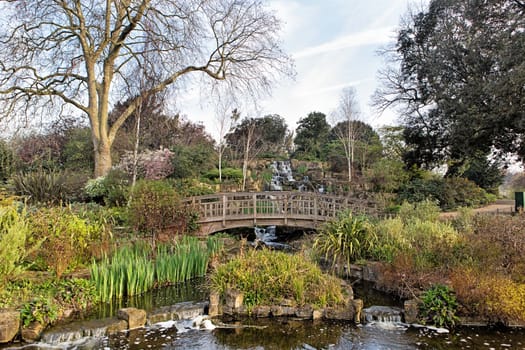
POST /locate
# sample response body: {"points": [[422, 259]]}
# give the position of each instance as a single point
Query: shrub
{"points": [[41, 309], [347, 239], [14, 233], [425, 210], [450, 193], [439, 306], [155, 206], [111, 189], [76, 293], [267, 277], [66, 237], [489, 295], [41, 186]]}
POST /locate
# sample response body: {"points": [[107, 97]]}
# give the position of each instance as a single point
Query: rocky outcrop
{"points": [[9, 325], [232, 304], [134, 317]]}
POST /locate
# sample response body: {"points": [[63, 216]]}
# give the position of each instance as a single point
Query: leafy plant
{"points": [[14, 233], [266, 277], [41, 186], [155, 206], [346, 239], [66, 237], [77, 293], [41, 309], [439, 306]]}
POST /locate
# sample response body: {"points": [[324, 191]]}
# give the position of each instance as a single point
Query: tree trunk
{"points": [[102, 159]]}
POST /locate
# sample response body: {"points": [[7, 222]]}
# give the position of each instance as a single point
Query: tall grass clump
{"points": [[128, 272], [346, 239], [185, 260], [136, 269], [267, 277]]}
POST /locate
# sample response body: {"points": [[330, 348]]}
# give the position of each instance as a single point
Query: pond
{"points": [[284, 333]]}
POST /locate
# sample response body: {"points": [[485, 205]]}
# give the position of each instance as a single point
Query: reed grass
{"points": [[133, 270]]}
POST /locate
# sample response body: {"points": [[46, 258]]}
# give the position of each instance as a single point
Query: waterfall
{"points": [[383, 316]]}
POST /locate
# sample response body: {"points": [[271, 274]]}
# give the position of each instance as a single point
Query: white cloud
{"points": [[377, 36]]}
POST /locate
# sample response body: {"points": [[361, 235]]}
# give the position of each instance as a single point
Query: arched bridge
{"points": [[224, 211]]}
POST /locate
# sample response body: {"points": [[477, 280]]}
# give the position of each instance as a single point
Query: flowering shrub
{"points": [[151, 165]]}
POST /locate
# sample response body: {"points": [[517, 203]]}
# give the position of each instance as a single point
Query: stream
{"points": [[283, 333]]}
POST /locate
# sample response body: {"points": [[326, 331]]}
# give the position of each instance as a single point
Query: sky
{"points": [[334, 44]]}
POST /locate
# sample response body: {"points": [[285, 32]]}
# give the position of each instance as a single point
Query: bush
{"points": [[489, 295], [155, 206], [112, 189], [450, 193], [41, 186], [41, 309], [439, 307], [66, 237], [425, 210], [267, 277], [347, 239], [14, 233]]}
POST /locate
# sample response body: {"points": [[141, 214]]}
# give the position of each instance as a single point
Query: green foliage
{"points": [[267, 277], [228, 174], [439, 306], [136, 269], [41, 309], [450, 193], [7, 161], [311, 137], [425, 210], [77, 150], [14, 233], [111, 189], [346, 240], [41, 186], [386, 175], [155, 205], [76, 293], [66, 237], [192, 161]]}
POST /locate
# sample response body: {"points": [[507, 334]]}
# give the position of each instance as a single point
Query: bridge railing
{"points": [[297, 205]]}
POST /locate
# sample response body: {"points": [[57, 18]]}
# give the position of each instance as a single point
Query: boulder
{"points": [[279, 310], [135, 317], [233, 299], [411, 310], [9, 325], [346, 313], [358, 308], [214, 307], [306, 312], [32, 332]]}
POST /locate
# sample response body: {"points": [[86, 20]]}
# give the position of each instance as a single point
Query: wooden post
{"points": [[315, 210], [224, 203], [254, 202]]}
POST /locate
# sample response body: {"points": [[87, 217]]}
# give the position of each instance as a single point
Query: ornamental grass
{"points": [[268, 277]]}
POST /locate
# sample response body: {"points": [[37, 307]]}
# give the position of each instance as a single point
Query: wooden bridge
{"points": [[224, 211]]}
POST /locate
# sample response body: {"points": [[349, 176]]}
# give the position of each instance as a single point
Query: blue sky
{"points": [[334, 44]]}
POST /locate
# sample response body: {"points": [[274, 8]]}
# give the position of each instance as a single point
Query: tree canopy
{"points": [[457, 75], [66, 57], [311, 136]]}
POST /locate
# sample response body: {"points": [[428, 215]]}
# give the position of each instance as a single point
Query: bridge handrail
{"points": [[293, 204]]}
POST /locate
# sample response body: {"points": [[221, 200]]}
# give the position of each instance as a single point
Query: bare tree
{"points": [[225, 118], [63, 55], [345, 127]]}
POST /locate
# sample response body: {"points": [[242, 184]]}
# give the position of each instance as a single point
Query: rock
{"points": [[372, 271], [261, 311], [411, 310], [233, 299], [317, 314], [32, 332], [214, 308], [162, 314], [358, 308], [116, 326], [305, 312], [135, 317], [279, 310], [347, 313], [9, 325]]}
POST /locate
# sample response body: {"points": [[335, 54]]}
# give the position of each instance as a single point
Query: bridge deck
{"points": [[300, 209]]}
